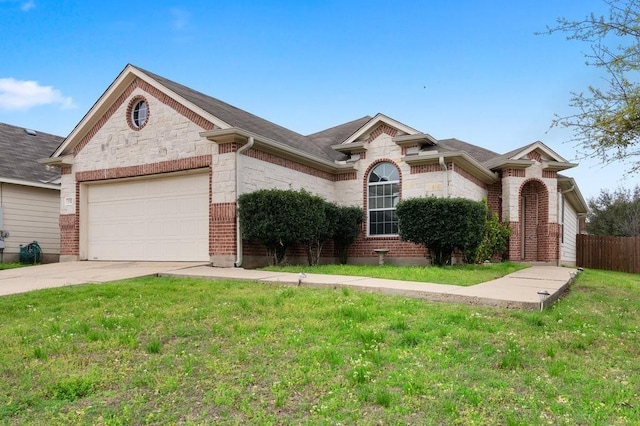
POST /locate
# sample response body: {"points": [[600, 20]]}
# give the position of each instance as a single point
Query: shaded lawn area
{"points": [[11, 265], [167, 350], [462, 275]]}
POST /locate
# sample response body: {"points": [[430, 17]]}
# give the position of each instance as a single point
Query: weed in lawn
{"points": [[411, 339], [153, 347], [399, 325], [384, 398], [40, 353], [512, 357], [72, 389]]}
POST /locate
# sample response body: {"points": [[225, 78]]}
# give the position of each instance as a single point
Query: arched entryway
{"points": [[534, 222]]}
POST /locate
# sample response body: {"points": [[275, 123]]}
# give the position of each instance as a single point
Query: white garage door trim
{"points": [[151, 219]]}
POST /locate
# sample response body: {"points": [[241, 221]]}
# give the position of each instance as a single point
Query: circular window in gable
{"points": [[138, 113]]}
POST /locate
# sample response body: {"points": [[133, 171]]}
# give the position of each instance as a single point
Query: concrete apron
{"points": [[517, 290], [21, 280]]}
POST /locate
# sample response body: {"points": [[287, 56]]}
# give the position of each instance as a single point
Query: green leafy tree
{"points": [[606, 123], [442, 225], [615, 213]]}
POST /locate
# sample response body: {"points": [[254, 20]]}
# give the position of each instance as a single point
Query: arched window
{"points": [[383, 194]]}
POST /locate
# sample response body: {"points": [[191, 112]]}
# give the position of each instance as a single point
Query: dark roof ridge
{"points": [[237, 117], [348, 123]]}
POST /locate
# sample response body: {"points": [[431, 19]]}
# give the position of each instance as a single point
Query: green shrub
{"points": [[495, 242], [442, 225], [279, 218], [346, 223]]}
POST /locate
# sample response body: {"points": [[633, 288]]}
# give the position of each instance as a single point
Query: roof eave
{"points": [[569, 188], [458, 157], [278, 148], [30, 183], [415, 139], [509, 164], [557, 166], [64, 161], [353, 147]]}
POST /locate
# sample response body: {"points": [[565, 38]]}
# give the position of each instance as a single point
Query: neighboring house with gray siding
{"points": [[154, 170], [29, 192]]}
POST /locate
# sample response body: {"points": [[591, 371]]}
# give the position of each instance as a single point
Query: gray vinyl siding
{"points": [[30, 214], [568, 253]]}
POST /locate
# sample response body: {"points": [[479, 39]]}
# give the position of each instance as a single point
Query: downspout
{"points": [[445, 181], [245, 147]]}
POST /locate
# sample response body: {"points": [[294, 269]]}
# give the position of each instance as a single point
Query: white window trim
{"points": [[369, 209]]}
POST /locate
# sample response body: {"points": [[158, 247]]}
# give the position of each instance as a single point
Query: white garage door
{"points": [[161, 219]]}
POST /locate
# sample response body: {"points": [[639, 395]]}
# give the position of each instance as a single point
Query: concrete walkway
{"points": [[50, 275], [517, 290]]}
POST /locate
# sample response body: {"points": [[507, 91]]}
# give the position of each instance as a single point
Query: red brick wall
{"points": [[69, 235], [541, 238], [494, 198], [514, 242], [383, 128], [222, 229], [182, 164]]}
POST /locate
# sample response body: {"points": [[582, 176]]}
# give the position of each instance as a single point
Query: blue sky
{"points": [[473, 70]]}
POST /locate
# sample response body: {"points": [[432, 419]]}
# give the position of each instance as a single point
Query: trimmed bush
{"points": [[442, 225], [279, 218], [346, 228]]}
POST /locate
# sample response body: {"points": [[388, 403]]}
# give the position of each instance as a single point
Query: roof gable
{"points": [[216, 113], [375, 123], [20, 154], [537, 149], [528, 155]]}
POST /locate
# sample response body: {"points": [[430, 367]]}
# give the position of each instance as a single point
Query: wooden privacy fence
{"points": [[610, 253]]}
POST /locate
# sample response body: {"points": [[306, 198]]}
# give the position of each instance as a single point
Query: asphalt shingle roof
{"points": [[318, 144], [477, 152], [239, 118], [20, 152]]}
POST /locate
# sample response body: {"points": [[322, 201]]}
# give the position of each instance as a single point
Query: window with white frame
{"points": [[139, 114], [383, 194]]}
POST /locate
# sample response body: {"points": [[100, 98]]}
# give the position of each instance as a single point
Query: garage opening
{"points": [[152, 219]]}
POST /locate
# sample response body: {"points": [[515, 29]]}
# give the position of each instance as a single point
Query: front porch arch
{"points": [[534, 241]]}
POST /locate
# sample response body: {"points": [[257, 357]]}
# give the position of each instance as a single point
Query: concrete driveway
{"points": [[21, 280]]}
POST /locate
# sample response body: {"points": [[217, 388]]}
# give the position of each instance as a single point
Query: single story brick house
{"points": [[29, 193], [154, 169]]}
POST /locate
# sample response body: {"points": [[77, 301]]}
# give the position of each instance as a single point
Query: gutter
{"points": [[281, 149], [243, 148], [443, 166]]}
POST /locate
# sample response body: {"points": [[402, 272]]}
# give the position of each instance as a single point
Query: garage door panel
{"points": [[154, 219]]}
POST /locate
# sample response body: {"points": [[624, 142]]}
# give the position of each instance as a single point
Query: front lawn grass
{"points": [[4, 265], [462, 275], [167, 350]]}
